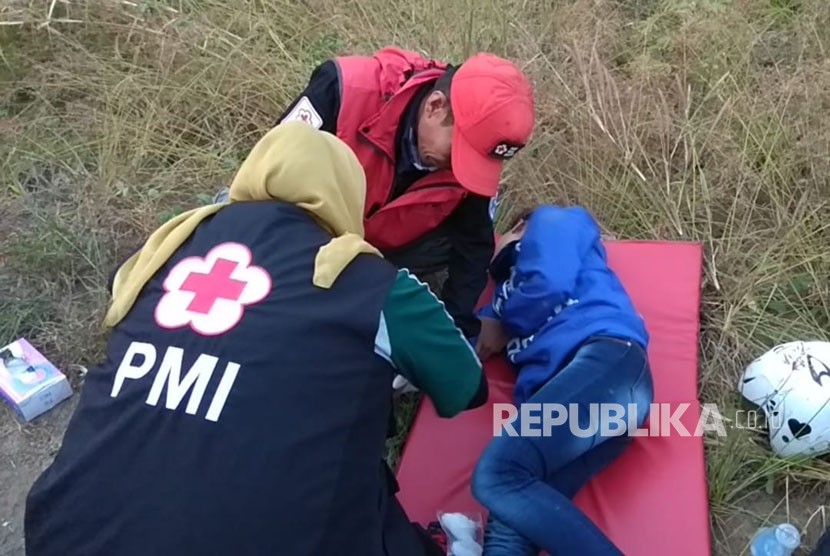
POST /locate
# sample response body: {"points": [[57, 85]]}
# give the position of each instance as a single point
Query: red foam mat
{"points": [[653, 500]]}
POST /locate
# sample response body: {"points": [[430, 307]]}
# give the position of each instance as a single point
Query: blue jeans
{"points": [[527, 483]]}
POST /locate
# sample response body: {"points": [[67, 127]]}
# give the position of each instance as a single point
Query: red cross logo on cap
{"points": [[506, 150], [210, 294]]}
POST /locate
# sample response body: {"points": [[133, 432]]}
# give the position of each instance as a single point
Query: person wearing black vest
{"points": [[243, 402], [822, 547]]}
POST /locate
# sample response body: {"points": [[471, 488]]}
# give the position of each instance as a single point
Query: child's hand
{"points": [[491, 339]]}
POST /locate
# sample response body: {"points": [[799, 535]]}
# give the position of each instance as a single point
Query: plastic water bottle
{"points": [[781, 540]]}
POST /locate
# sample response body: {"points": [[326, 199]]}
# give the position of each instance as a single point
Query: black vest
{"points": [[288, 464]]}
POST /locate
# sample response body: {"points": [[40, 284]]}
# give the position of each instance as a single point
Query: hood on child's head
{"points": [[515, 231], [505, 252], [503, 261]]}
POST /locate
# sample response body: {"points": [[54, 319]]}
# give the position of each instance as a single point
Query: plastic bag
{"points": [[464, 533]]}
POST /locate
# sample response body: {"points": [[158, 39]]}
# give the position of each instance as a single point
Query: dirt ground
{"points": [[738, 529], [26, 449]]}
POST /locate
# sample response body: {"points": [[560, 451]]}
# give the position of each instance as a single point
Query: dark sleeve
{"points": [[319, 103], [472, 244]]}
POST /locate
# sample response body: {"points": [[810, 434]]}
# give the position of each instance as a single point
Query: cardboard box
{"points": [[29, 382]]}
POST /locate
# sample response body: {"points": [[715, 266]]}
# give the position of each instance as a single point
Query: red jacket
{"points": [[377, 91], [363, 100]]}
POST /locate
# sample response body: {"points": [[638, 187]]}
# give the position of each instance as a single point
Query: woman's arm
{"points": [[419, 338]]}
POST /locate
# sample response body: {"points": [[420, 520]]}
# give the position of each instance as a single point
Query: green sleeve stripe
{"points": [[423, 343]]}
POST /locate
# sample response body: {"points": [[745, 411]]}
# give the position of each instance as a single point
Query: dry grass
{"points": [[696, 120]]}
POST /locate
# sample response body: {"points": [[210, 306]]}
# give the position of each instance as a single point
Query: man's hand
{"points": [[492, 338]]}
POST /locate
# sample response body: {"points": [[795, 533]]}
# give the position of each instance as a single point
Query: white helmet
{"points": [[791, 384]]}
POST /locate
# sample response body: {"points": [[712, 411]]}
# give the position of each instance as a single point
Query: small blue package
{"points": [[29, 382]]}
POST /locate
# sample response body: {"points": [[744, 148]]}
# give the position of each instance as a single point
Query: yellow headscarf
{"points": [[293, 163]]}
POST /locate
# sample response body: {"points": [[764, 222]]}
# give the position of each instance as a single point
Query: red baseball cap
{"points": [[493, 111]]}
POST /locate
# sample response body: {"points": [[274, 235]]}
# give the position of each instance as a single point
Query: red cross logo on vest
{"points": [[210, 294], [216, 284]]}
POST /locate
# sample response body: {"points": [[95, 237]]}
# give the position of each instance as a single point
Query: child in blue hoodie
{"points": [[575, 339]]}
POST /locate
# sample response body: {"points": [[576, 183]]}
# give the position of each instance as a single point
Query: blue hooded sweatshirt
{"points": [[556, 291]]}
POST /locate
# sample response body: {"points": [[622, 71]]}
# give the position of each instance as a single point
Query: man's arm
{"points": [[319, 103], [418, 337], [473, 242]]}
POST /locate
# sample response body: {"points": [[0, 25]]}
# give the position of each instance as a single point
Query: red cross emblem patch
{"points": [[210, 294]]}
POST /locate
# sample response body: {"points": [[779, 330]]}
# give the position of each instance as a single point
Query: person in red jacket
{"points": [[432, 139]]}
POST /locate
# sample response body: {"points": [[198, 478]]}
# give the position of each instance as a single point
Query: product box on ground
{"points": [[29, 382]]}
